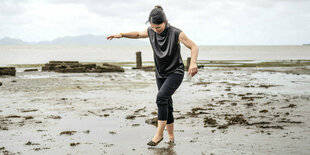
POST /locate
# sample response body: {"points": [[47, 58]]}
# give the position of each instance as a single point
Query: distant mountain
{"points": [[77, 40], [11, 41]]}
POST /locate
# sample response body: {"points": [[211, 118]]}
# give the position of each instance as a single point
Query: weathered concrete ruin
{"points": [[76, 67], [31, 70], [7, 71]]}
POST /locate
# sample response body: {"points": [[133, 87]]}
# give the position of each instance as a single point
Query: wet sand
{"points": [[235, 110]]}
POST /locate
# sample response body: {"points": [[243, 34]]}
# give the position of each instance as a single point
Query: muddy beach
{"points": [[222, 110]]}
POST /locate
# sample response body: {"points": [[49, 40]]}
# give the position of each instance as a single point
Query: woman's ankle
{"points": [[159, 136]]}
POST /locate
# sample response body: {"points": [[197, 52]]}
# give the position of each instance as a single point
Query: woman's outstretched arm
{"points": [[193, 69], [132, 35]]}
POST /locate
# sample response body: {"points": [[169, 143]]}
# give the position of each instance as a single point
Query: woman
{"points": [[165, 41]]}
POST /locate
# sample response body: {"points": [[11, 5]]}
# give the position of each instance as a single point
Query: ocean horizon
{"points": [[40, 54]]}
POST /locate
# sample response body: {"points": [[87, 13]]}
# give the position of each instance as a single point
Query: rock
{"points": [[152, 121], [0, 83], [30, 70], [7, 71], [76, 67]]}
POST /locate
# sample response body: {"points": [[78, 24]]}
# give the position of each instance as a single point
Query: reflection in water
{"points": [[164, 150]]}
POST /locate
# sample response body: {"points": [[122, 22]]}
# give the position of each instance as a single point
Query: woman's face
{"points": [[158, 28]]}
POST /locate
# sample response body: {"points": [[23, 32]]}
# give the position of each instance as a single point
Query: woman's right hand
{"points": [[114, 36]]}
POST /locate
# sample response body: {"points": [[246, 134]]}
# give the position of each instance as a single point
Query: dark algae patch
{"points": [[238, 119], [209, 122], [29, 110], [54, 117], [263, 111], [31, 143], [74, 144], [290, 106], [131, 117], [13, 116], [68, 133]]}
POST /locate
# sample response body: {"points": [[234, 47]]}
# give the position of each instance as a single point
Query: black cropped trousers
{"points": [[166, 88]]}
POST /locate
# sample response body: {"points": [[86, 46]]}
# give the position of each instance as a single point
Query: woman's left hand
{"points": [[193, 69]]}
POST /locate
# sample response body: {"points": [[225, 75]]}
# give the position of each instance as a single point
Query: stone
{"points": [[0, 83], [152, 121]]}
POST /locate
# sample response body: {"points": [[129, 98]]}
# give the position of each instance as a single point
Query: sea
{"points": [[41, 54]]}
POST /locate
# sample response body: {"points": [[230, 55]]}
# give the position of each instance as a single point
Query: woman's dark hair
{"points": [[157, 15]]}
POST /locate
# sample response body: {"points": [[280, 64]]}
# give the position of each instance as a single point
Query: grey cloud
{"points": [[136, 10], [9, 8], [217, 20]]}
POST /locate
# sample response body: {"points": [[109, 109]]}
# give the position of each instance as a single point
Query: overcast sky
{"points": [[206, 22]]}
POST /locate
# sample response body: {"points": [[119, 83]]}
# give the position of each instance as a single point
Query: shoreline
{"points": [[204, 63]]}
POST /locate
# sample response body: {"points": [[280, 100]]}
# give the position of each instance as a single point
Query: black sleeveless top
{"points": [[167, 51]]}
